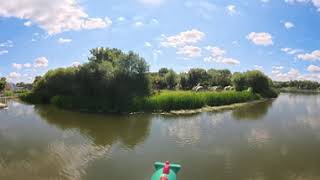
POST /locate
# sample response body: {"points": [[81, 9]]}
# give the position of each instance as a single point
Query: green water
{"points": [[274, 140]]}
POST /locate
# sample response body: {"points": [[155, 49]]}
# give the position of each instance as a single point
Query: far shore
{"points": [[299, 91]]}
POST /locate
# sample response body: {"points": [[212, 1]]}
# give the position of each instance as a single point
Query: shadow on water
{"points": [[103, 130], [253, 111]]}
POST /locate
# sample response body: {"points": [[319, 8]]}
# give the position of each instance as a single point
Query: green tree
{"points": [[239, 81], [198, 75], [163, 71], [220, 77], [3, 83], [184, 82], [157, 82], [259, 83], [171, 79], [112, 78]]}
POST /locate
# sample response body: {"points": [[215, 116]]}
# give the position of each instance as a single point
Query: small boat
{"points": [[165, 171]]}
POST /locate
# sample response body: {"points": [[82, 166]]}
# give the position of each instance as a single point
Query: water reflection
{"points": [[252, 112], [43, 142], [103, 130]]}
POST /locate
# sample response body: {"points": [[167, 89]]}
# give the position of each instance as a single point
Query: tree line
{"points": [[302, 85], [113, 79]]}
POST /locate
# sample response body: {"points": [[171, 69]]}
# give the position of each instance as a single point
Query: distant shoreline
{"points": [[294, 90]]}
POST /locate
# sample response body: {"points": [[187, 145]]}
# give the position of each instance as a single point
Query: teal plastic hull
{"points": [[174, 169]]}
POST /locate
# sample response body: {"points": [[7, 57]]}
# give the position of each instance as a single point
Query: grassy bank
{"points": [[178, 100]]}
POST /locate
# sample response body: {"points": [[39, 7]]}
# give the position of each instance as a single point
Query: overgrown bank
{"points": [[114, 81], [186, 100]]}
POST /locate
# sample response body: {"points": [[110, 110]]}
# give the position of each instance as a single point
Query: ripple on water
{"points": [[74, 159], [259, 138]]}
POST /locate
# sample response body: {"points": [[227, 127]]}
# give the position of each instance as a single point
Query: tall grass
{"points": [[164, 101], [178, 100]]}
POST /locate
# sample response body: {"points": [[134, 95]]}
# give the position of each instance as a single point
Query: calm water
{"points": [[273, 140]]}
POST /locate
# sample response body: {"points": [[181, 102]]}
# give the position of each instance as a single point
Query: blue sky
{"points": [[278, 37]]}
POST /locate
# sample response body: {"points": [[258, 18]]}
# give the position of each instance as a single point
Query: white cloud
{"points": [[14, 75], [152, 2], [3, 52], [231, 9], [258, 67], [183, 38], [216, 51], [121, 19], [189, 51], [288, 25], [154, 21], [6, 44], [261, 38], [222, 60], [217, 55], [64, 40], [294, 74], [316, 3], [138, 24], [230, 61], [290, 51], [76, 64], [147, 44], [17, 66], [27, 23], [264, 1], [277, 67], [313, 68], [315, 55], [108, 21], [296, 1], [27, 65], [52, 16], [41, 62]]}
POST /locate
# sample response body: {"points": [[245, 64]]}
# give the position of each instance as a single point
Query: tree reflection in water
{"points": [[254, 111], [103, 130]]}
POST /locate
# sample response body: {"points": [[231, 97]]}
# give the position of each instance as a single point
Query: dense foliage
{"points": [[110, 80], [260, 83], [114, 81], [168, 79], [3, 83]]}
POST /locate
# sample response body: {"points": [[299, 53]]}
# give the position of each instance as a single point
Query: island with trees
{"points": [[116, 81]]}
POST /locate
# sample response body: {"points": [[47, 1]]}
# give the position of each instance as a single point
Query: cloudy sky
{"points": [[279, 37]]}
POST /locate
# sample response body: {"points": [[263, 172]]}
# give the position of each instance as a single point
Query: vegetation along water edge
{"points": [[114, 81]]}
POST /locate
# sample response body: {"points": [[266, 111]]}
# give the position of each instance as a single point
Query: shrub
{"points": [[256, 80]]}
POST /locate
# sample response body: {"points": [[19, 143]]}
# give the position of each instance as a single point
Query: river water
{"points": [[276, 139]]}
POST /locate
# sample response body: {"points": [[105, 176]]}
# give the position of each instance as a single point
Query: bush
{"points": [[256, 80]]}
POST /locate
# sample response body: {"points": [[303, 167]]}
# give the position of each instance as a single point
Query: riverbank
{"points": [[215, 108], [164, 101]]}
